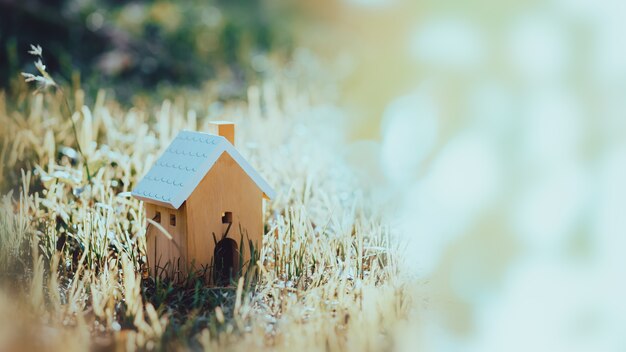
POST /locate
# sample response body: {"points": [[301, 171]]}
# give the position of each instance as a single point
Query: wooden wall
{"points": [[159, 249], [226, 187]]}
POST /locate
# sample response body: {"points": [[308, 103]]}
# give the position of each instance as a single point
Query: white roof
{"points": [[176, 174]]}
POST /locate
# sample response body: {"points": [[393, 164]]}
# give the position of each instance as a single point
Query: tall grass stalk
{"points": [[45, 80]]}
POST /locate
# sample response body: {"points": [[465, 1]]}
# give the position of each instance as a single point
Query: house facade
{"points": [[201, 199]]}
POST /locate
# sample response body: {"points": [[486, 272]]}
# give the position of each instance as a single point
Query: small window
{"points": [[227, 217], [157, 217], [172, 219]]}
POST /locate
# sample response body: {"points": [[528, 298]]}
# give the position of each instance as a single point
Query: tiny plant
{"points": [[44, 81]]}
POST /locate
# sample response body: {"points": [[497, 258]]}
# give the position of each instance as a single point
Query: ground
{"points": [[72, 244]]}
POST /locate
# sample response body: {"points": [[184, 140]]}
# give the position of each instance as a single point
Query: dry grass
{"points": [[71, 250]]}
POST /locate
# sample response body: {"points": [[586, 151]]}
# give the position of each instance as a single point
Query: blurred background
{"points": [[146, 46], [492, 132]]}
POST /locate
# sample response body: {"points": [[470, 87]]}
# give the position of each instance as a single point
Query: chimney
{"points": [[225, 129]]}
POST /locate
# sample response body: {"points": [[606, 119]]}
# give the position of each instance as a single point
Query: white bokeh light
{"points": [[539, 49], [410, 126], [549, 209], [546, 305], [552, 128], [609, 222], [463, 180], [608, 62], [450, 43]]}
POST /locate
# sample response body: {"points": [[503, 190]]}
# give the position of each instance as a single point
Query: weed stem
{"points": [[80, 151]]}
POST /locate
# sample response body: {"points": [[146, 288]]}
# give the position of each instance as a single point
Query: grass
{"points": [[327, 276]]}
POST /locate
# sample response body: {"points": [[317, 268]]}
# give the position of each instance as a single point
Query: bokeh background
{"points": [[499, 132], [493, 134]]}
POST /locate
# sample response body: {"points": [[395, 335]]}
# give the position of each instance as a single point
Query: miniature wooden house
{"points": [[206, 196]]}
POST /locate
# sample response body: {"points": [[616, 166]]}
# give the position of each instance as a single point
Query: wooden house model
{"points": [[208, 198]]}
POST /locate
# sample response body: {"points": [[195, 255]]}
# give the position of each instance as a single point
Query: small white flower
{"points": [[40, 67], [35, 50], [29, 77], [44, 80]]}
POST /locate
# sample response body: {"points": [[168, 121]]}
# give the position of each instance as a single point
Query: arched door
{"points": [[225, 261]]}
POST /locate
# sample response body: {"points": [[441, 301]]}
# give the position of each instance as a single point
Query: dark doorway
{"points": [[226, 261]]}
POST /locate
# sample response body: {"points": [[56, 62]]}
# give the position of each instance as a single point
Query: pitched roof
{"points": [[179, 170]]}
